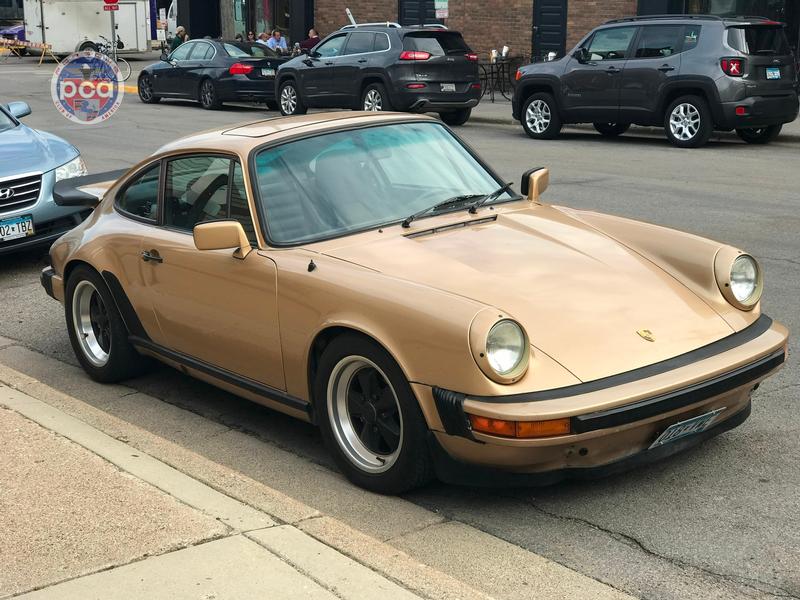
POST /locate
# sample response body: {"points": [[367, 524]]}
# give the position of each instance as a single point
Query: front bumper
{"points": [[46, 232], [52, 283], [762, 111], [613, 421]]}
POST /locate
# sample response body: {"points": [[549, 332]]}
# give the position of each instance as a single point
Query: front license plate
{"points": [[18, 227], [686, 428], [773, 72], [268, 72], [448, 87]]}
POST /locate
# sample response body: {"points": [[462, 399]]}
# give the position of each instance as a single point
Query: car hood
{"points": [[581, 296], [27, 150]]}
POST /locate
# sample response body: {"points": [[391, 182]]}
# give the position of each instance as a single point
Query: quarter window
{"points": [[140, 197], [611, 44], [360, 42], [381, 42], [333, 47], [202, 52], [659, 41], [196, 191], [182, 52]]}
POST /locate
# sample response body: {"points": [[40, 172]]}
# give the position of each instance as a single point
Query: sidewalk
{"points": [[87, 516]]}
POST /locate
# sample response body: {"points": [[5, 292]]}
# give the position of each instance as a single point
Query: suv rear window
{"points": [[758, 39], [437, 43]]}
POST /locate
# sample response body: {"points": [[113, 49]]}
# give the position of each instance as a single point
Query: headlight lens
{"points": [[744, 278], [74, 168], [505, 346]]}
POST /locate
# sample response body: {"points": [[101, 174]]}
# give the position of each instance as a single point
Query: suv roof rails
{"points": [[389, 24], [665, 17], [423, 26]]}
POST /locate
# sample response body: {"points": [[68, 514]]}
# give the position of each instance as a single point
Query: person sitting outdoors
{"points": [[276, 42], [251, 36], [263, 38], [313, 40], [238, 37], [180, 37]]}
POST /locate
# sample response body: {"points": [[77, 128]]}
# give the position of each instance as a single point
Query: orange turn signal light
{"points": [[520, 429]]}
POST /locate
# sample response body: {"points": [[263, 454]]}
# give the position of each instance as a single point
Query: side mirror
{"points": [[18, 109], [164, 56], [314, 54], [581, 55], [534, 183], [222, 235]]}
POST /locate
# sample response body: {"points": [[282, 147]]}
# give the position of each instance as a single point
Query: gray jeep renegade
{"points": [[690, 74]]}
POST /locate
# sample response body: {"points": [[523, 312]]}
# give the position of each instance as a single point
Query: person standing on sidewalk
{"points": [[180, 37]]}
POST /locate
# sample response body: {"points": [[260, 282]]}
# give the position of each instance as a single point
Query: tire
{"points": [[289, 100], [760, 135], [374, 98], [145, 89], [456, 118], [124, 69], [612, 129], [540, 118], [688, 122], [390, 455], [273, 105], [97, 333], [207, 95]]}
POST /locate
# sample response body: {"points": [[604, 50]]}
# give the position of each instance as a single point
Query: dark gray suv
{"points": [[690, 74]]}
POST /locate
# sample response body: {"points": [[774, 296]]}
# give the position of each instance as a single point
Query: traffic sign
{"points": [[109, 7]]}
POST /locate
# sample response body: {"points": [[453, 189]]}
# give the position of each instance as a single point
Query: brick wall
{"points": [[585, 15], [329, 15], [487, 24]]}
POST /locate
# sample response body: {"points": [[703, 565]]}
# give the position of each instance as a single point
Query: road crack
{"points": [[631, 541]]}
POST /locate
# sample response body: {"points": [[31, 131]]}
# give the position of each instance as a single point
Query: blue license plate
{"points": [[773, 72], [18, 227]]}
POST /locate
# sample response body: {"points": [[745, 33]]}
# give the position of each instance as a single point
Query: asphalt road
{"points": [[720, 521]]}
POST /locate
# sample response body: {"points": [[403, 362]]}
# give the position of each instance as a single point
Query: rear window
{"points": [[248, 50], [758, 39], [437, 43]]}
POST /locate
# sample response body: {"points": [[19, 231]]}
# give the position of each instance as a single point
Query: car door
{"points": [[316, 75], [654, 62], [195, 67], [591, 83], [347, 72], [168, 80], [210, 306]]}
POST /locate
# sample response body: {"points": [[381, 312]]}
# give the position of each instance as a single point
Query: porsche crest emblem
{"points": [[646, 334]]}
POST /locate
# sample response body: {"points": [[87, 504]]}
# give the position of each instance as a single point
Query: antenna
{"points": [[350, 16]]}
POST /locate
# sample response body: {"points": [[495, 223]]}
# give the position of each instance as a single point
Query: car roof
{"points": [[726, 21], [244, 137], [399, 29]]}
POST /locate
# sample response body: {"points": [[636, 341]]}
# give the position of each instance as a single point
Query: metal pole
{"points": [[113, 34]]}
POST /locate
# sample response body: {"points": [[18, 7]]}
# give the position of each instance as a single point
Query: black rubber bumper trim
{"points": [[46, 278], [450, 470], [129, 316], [451, 412], [727, 343], [657, 405]]}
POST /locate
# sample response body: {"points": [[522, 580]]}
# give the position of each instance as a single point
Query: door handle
{"points": [[329, 63], [665, 68], [151, 256], [612, 70], [362, 60]]}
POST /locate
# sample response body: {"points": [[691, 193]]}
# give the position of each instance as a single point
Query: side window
{"points": [[611, 44], [360, 42], [196, 191], [182, 52], [381, 42], [202, 52], [691, 33], [659, 41], [333, 47], [140, 197], [239, 209]]}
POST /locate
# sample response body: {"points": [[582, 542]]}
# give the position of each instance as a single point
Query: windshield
{"points": [[759, 39], [338, 183], [6, 122]]}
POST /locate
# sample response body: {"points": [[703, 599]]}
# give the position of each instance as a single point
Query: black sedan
{"points": [[213, 72]]}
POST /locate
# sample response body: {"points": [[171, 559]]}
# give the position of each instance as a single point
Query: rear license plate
{"points": [[686, 428], [773, 72], [448, 87], [18, 227], [268, 72]]}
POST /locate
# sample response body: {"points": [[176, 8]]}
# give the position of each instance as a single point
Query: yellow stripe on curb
{"points": [[131, 89]]}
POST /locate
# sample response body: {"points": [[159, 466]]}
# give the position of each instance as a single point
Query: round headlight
{"points": [[506, 347], [744, 278]]}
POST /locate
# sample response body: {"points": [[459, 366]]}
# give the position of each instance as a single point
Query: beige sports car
{"points": [[370, 274]]}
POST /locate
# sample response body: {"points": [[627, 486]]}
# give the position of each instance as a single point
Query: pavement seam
{"points": [[768, 588]]}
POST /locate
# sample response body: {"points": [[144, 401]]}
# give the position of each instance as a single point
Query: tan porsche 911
{"points": [[371, 274]]}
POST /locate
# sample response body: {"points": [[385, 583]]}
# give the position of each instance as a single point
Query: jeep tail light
{"points": [[518, 75], [414, 55], [240, 69], [471, 56], [733, 67]]}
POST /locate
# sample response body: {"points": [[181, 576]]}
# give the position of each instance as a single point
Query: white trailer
{"points": [[72, 25]]}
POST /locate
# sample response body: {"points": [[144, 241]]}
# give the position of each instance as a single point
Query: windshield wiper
{"points": [[473, 209], [454, 201]]}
